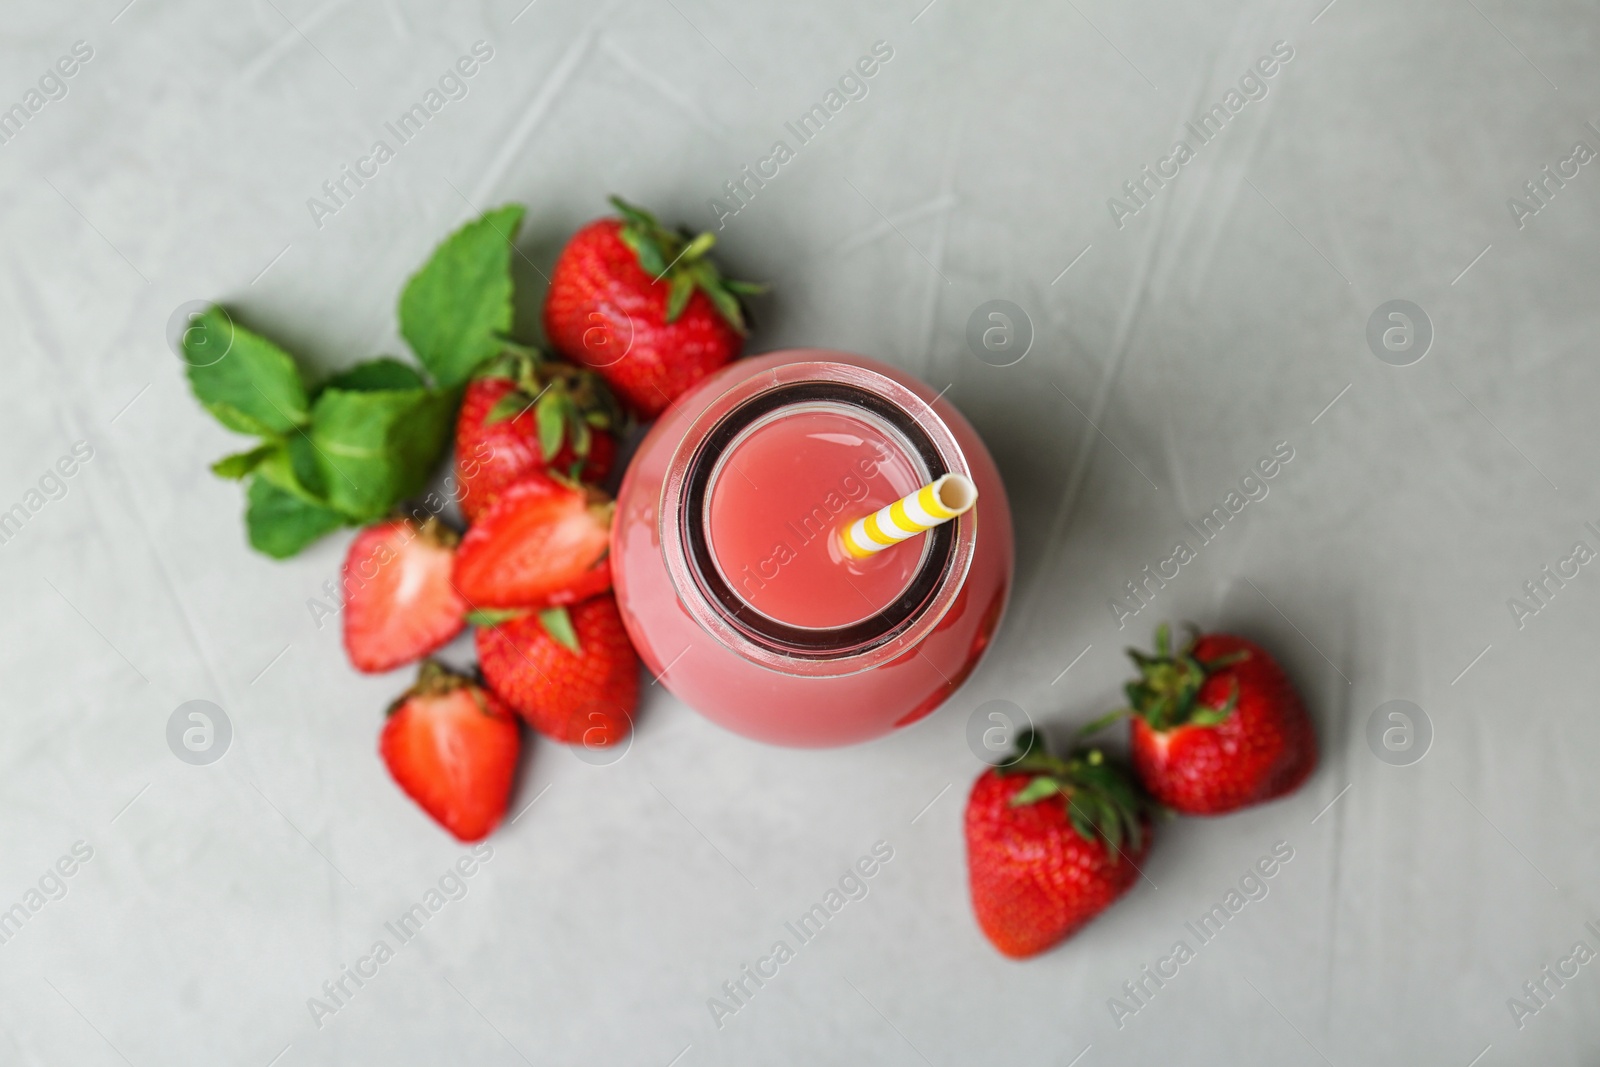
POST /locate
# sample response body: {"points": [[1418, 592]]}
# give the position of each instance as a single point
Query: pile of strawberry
{"points": [[632, 303], [1051, 842], [634, 310]]}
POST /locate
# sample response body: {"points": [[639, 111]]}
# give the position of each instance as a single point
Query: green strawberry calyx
{"points": [[556, 622], [494, 616], [681, 260], [1101, 800], [569, 403], [1166, 694]]}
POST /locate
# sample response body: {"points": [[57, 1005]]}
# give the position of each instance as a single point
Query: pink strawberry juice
{"points": [[779, 500], [727, 570]]}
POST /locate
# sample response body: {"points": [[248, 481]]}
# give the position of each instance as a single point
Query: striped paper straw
{"points": [[934, 504]]}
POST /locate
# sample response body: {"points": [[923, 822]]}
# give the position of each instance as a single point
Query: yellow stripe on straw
{"points": [[933, 505]]}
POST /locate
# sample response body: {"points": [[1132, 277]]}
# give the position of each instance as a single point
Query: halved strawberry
{"points": [[399, 603], [543, 541], [571, 672], [452, 746]]}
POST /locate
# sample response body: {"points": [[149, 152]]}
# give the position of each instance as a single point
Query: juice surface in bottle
{"points": [[781, 496]]}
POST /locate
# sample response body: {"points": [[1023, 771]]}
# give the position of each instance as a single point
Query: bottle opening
{"points": [[779, 497], [765, 499]]}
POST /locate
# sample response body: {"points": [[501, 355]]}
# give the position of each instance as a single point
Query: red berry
{"points": [[542, 541], [584, 695], [1218, 726], [452, 746], [497, 431], [643, 306], [1051, 844], [399, 602]]}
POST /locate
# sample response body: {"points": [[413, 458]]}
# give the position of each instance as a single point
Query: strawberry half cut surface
{"points": [[1216, 725], [542, 542], [399, 601], [452, 746], [1051, 843]]}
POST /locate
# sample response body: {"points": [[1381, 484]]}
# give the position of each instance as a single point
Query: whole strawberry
{"points": [[523, 414], [570, 672], [399, 602], [452, 746], [644, 306], [1051, 843], [1217, 726], [543, 541]]}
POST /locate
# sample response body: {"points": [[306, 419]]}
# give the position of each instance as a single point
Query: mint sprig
{"points": [[348, 452]]}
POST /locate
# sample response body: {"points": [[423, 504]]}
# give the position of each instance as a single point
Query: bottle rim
{"points": [[704, 591]]}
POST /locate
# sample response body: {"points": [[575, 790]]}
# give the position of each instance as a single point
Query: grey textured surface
{"points": [[1222, 318]]}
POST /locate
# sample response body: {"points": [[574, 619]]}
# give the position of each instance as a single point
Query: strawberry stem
{"points": [[433, 679]]}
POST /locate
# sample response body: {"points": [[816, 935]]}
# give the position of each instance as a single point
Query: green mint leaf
{"points": [[290, 466], [281, 524], [250, 384], [239, 464], [558, 624], [306, 476], [376, 375], [373, 448], [454, 309]]}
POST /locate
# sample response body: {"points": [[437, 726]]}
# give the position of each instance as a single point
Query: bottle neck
{"points": [[907, 423]]}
